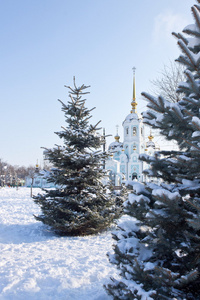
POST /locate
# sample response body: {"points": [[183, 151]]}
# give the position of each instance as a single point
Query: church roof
{"points": [[115, 145], [132, 116], [150, 144]]}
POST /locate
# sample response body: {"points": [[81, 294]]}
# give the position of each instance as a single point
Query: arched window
{"points": [[134, 158], [134, 131], [134, 176], [126, 130]]}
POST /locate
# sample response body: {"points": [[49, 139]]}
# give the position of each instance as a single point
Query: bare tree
{"points": [[167, 83], [13, 174]]}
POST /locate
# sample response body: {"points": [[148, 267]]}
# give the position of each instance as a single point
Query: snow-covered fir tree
{"points": [[81, 203], [157, 248]]}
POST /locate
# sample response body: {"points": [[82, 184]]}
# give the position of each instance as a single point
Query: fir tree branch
{"points": [[62, 103], [191, 144], [188, 112], [180, 36], [187, 52], [195, 12], [193, 205]]}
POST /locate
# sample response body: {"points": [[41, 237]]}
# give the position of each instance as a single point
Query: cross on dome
{"points": [[117, 137], [134, 103]]}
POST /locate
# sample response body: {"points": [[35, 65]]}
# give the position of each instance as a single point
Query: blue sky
{"points": [[44, 43]]}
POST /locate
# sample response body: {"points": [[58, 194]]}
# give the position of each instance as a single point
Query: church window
{"points": [[134, 131], [126, 130], [134, 176]]}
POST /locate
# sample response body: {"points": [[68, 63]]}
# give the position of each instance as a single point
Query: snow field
{"points": [[35, 264]]}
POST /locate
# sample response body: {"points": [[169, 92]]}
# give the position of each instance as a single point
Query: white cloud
{"points": [[165, 24]]}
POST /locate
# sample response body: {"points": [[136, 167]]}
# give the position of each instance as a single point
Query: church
{"points": [[124, 163]]}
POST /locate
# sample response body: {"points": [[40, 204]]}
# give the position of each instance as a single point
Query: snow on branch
{"points": [[160, 193], [187, 52], [191, 144], [195, 86], [191, 100], [195, 12], [191, 30], [196, 122], [153, 102], [161, 101], [181, 37], [176, 109]]}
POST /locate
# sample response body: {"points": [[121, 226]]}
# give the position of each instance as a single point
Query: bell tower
{"points": [[134, 139]]}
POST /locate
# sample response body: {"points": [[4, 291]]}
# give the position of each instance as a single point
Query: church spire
{"points": [[150, 137], [134, 103], [117, 137]]}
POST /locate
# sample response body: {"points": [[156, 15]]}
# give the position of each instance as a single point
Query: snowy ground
{"points": [[35, 264]]}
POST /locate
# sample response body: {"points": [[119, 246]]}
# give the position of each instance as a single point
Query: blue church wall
{"points": [[113, 169], [116, 156], [123, 169], [134, 169], [123, 158], [134, 159], [134, 148]]}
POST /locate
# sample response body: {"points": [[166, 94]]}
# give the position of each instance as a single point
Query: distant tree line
{"points": [[13, 175]]}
